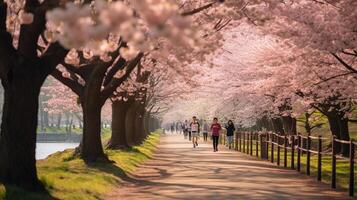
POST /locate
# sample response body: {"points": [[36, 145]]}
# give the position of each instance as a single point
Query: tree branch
{"points": [[347, 66], [8, 54], [54, 55], [115, 82], [72, 84], [199, 9], [333, 77], [349, 53], [352, 120], [120, 64], [29, 33]]}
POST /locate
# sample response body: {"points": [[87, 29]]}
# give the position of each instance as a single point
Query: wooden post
{"points": [[319, 158], [299, 153], [308, 155], [267, 145], [292, 152], [240, 141], [261, 144], [352, 173], [278, 156], [285, 151], [333, 171], [243, 142], [236, 141], [257, 144], [272, 148], [251, 143], [248, 142]]}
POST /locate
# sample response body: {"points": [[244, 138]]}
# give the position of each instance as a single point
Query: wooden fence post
{"points": [[272, 148], [257, 144], [248, 143], [240, 141], [267, 145], [236, 141], [285, 151], [299, 153], [261, 145], [308, 155], [292, 152], [333, 171], [319, 158], [352, 174], [243, 142], [278, 156], [251, 143]]}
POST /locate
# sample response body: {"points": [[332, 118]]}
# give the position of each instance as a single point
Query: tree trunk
{"points": [[91, 145], [45, 117], [344, 135], [146, 123], [18, 128], [41, 113], [130, 123], [267, 124], [339, 128], [151, 124], [307, 123], [278, 126], [92, 103], [139, 123], [59, 119], [289, 125], [118, 139]]}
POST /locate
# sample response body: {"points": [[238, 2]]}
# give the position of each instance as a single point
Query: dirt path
{"points": [[178, 171]]}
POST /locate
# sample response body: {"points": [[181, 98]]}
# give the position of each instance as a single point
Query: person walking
{"points": [[185, 129], [172, 127], [189, 131], [195, 131], [205, 130], [230, 133], [215, 128]]}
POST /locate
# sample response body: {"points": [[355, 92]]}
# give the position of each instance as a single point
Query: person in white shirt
{"points": [[195, 131]]}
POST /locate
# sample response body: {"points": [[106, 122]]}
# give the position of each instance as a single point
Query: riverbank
{"points": [[68, 177]]}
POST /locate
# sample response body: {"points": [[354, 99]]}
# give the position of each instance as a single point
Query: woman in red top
{"points": [[215, 128]]}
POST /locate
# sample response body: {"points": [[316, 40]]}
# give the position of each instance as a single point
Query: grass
{"points": [[68, 177], [325, 131]]}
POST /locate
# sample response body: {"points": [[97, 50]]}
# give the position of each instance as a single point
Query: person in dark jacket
{"points": [[230, 133]]}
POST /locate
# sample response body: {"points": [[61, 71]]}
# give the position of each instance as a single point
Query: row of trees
{"points": [[143, 54], [294, 62], [102, 51]]}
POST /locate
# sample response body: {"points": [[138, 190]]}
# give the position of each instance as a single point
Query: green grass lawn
{"points": [[68, 177]]}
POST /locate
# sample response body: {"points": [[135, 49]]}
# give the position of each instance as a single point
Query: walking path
{"points": [[177, 171]]}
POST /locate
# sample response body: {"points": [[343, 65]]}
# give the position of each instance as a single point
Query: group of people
{"points": [[192, 130]]}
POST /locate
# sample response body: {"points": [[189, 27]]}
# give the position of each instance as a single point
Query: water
{"points": [[45, 149]]}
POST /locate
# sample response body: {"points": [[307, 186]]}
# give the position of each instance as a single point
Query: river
{"points": [[45, 149]]}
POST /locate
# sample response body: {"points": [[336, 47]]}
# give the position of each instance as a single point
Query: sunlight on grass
{"points": [[68, 177]]}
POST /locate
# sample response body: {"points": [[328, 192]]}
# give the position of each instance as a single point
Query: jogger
{"points": [[195, 131], [215, 128]]}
